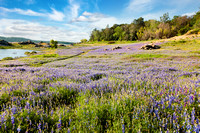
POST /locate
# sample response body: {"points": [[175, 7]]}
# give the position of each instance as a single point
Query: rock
{"points": [[26, 42], [4, 43], [150, 47], [111, 42], [116, 48], [105, 49]]}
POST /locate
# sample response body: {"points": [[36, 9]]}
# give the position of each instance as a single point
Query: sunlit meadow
{"points": [[97, 89]]}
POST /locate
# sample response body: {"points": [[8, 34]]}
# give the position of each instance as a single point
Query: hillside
{"points": [[21, 39]]}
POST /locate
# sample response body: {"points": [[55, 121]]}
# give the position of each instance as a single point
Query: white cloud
{"points": [[189, 14], [138, 6], [87, 13], [54, 15], [103, 22], [88, 17], [95, 20], [74, 8], [36, 31], [22, 12]]}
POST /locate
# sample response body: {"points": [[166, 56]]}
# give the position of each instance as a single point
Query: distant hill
{"points": [[20, 39]]}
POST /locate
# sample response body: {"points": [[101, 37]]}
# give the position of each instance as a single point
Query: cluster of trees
{"points": [[148, 30]]}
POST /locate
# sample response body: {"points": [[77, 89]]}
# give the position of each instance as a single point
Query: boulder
{"points": [[26, 42], [150, 47], [116, 48]]}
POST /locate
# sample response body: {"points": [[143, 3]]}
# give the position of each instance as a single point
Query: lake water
{"points": [[12, 53]]}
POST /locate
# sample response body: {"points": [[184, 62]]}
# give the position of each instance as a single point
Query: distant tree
{"points": [[132, 32], [118, 33], [139, 22], [53, 44], [196, 20], [108, 33], [165, 18], [180, 25], [140, 33], [95, 35], [163, 31], [84, 40]]}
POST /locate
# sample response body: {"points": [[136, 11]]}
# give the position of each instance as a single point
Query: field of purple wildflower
{"points": [[98, 90]]}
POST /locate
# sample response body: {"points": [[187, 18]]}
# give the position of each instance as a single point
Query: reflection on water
{"points": [[13, 53]]}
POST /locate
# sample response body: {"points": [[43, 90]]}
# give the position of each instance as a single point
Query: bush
{"points": [[84, 40], [7, 58], [53, 44], [30, 53]]}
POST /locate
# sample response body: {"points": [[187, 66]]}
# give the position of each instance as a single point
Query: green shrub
{"points": [[7, 58], [30, 53], [84, 40], [53, 44]]}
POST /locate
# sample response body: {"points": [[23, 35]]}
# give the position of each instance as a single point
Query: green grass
{"points": [[148, 56], [184, 44], [45, 56]]}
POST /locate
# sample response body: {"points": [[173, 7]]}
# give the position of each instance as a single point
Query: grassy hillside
{"points": [[20, 39]]}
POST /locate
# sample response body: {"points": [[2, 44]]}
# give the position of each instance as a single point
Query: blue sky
{"points": [[72, 20]]}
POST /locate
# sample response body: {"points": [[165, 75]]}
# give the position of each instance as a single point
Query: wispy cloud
{"points": [[29, 2], [104, 21], [189, 14], [22, 28], [96, 4], [88, 17], [54, 15], [22, 12], [138, 6], [74, 8], [95, 20]]}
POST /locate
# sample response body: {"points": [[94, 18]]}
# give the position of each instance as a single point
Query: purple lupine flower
{"points": [[174, 116], [59, 124], [68, 131], [70, 121], [18, 129], [196, 129], [123, 128], [12, 119], [192, 117], [27, 105], [191, 97], [51, 112], [14, 110], [39, 126]]}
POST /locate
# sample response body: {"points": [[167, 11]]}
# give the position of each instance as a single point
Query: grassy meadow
{"points": [[93, 88]]}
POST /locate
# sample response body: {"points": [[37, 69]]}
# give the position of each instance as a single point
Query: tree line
{"points": [[148, 30]]}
